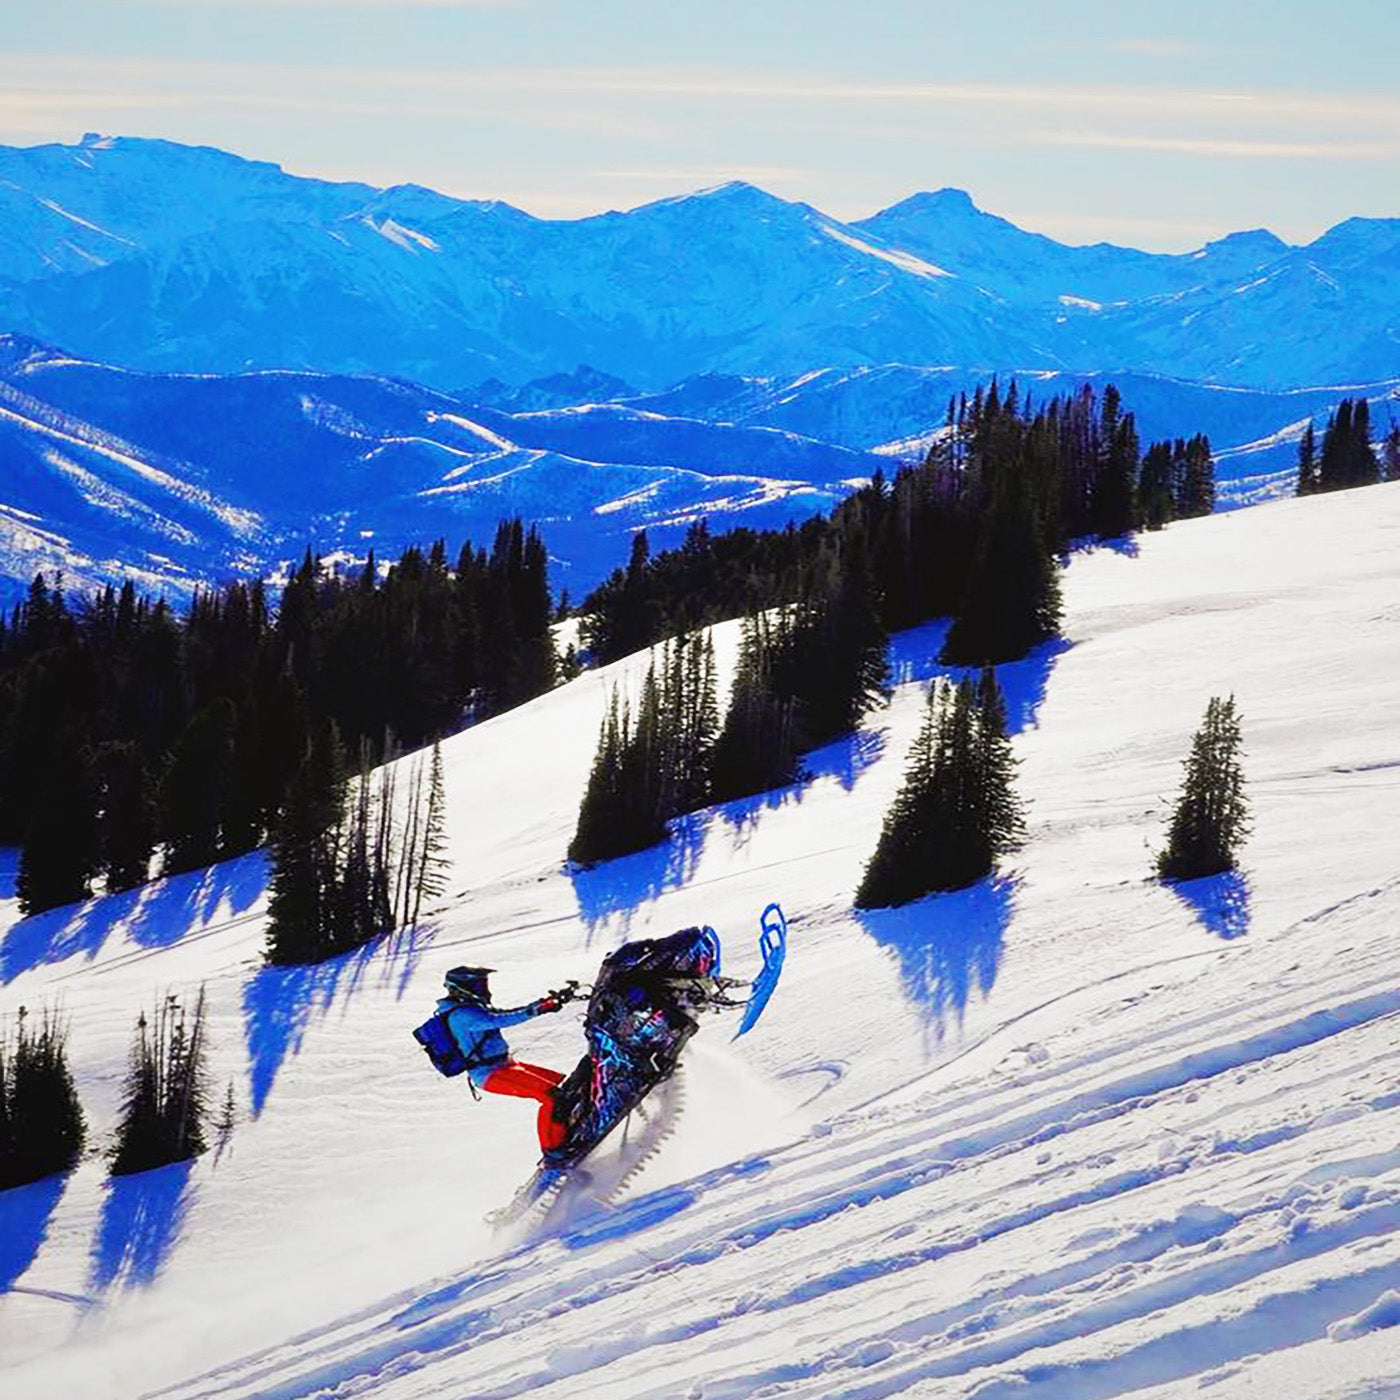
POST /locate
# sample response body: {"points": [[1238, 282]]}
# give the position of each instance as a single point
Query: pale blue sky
{"points": [[1154, 125]]}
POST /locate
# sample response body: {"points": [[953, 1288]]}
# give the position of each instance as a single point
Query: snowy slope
{"points": [[180, 258], [1069, 1134]]}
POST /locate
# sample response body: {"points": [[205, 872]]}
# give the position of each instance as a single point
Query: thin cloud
{"points": [[1221, 146], [698, 175], [344, 4], [371, 85], [1155, 48]]}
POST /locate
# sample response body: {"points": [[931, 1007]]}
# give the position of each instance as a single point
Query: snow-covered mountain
{"points": [[168, 257], [182, 479], [1067, 1134]]}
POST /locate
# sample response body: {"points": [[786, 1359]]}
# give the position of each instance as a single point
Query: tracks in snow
{"points": [[1210, 1171]]}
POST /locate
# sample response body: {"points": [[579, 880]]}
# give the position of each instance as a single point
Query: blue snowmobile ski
{"points": [[641, 1012]]}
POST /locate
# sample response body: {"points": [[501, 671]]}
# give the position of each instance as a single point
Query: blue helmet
{"points": [[469, 982]]}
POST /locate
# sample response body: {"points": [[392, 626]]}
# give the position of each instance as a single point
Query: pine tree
{"points": [[194, 797], [41, 1121], [126, 816], [225, 1123], [1198, 486], [166, 1093], [306, 850], [430, 879], [60, 852], [1307, 462], [756, 749], [655, 762], [620, 811], [957, 809], [1390, 454], [1211, 818], [1012, 599], [1113, 503], [1155, 495]]}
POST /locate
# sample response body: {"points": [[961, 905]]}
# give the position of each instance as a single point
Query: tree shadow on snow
{"points": [[280, 1003], [153, 915], [24, 1221], [141, 1221], [846, 759], [620, 887], [1024, 683], [946, 944], [914, 657], [1220, 903], [9, 872], [913, 653]]}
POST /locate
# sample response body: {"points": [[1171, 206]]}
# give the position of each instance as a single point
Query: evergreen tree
{"points": [[166, 1093], [60, 846], [195, 791], [1198, 484], [1155, 496], [225, 1123], [957, 809], [1113, 503], [652, 764], [756, 749], [41, 1121], [620, 811], [305, 850], [126, 815], [1390, 454], [1307, 462], [430, 878], [1347, 458], [1012, 597], [1211, 818]]}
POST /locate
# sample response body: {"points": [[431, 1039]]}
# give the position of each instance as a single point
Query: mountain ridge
{"points": [[168, 257]]}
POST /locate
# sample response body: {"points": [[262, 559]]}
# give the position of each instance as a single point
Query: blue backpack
{"points": [[437, 1040]]}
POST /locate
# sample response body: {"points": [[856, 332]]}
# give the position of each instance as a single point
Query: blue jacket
{"points": [[477, 1029]]}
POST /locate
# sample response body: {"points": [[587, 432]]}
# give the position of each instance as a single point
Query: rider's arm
{"points": [[483, 1018]]}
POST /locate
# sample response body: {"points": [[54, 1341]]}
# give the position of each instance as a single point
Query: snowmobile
{"points": [[642, 1010]]}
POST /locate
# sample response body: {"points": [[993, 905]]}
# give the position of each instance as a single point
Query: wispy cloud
{"points": [[343, 4], [1221, 146], [375, 86], [1154, 48], [699, 175]]}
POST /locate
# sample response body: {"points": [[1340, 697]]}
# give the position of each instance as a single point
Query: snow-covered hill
{"points": [[182, 479], [1068, 1134], [171, 257]]}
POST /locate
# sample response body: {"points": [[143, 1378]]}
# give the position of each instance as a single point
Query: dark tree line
{"points": [[126, 731], [809, 670], [353, 859], [652, 762], [1177, 481], [973, 532], [41, 1122], [957, 809], [1346, 457]]}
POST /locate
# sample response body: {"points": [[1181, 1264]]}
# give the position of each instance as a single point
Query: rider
{"points": [[476, 1025]]}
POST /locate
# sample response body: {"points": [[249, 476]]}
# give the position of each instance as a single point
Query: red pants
{"points": [[523, 1081]]}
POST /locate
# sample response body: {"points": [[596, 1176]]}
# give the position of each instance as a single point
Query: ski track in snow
{"points": [[1089, 1137]]}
